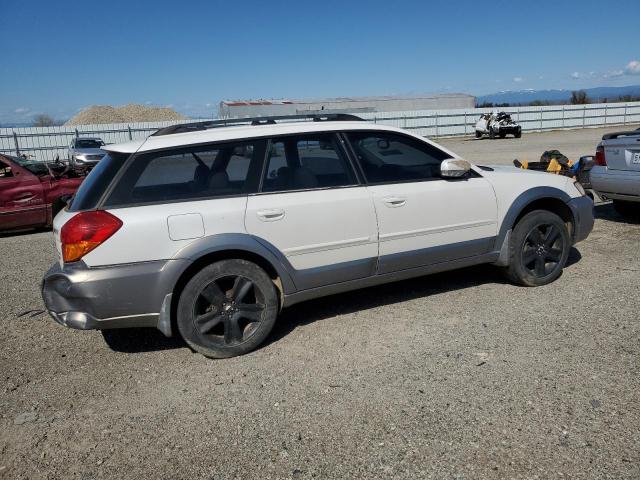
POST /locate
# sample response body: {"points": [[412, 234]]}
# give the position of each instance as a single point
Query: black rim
{"points": [[542, 250], [228, 310]]}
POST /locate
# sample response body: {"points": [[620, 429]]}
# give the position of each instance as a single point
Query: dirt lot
{"points": [[453, 376]]}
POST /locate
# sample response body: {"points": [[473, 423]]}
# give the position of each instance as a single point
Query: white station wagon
{"points": [[210, 229]]}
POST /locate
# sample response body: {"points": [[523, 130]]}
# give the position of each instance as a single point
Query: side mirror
{"points": [[454, 168]]}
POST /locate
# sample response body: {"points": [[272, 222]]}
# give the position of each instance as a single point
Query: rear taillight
{"points": [[86, 231], [600, 160]]}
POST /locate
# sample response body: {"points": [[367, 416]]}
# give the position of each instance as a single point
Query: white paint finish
{"points": [[144, 235], [436, 212], [186, 226], [319, 227], [510, 182]]}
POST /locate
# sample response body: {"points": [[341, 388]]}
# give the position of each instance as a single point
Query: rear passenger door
{"points": [[313, 209]]}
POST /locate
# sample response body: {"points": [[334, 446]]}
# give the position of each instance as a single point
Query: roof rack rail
{"points": [[196, 126]]}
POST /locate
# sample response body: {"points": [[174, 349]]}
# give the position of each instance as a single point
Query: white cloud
{"points": [[613, 74], [21, 110], [518, 79], [575, 75], [633, 68]]}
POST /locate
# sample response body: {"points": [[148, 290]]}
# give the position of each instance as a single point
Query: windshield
{"points": [[88, 143]]}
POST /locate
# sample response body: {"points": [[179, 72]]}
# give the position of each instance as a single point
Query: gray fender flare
{"points": [[517, 206], [243, 242]]}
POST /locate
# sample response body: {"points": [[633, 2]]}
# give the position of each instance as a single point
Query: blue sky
{"points": [[61, 56]]}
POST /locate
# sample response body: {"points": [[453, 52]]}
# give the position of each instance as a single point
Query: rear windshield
{"points": [[88, 143], [94, 186]]}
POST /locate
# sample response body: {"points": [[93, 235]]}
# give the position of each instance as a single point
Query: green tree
{"points": [[43, 120], [579, 98]]}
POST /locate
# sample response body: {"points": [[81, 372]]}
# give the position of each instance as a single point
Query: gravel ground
{"points": [[453, 376]]}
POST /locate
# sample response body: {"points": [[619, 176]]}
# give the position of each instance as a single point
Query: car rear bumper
{"points": [[615, 184], [582, 209], [122, 296]]}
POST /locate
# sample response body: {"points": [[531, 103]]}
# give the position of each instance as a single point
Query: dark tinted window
{"points": [[88, 143], [304, 162], [94, 186], [187, 173], [389, 157]]}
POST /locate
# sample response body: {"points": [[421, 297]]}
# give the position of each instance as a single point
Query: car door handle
{"points": [[270, 215], [24, 198], [393, 202]]}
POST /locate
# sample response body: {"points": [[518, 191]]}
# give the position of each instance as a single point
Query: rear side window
{"points": [[306, 162], [189, 173], [389, 157], [94, 186]]}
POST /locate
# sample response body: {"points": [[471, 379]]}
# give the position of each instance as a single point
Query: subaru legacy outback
{"points": [[208, 230]]}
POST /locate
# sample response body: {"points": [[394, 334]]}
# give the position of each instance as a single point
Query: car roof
{"points": [[248, 132]]}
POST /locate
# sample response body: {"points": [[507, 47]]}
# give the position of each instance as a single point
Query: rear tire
{"points": [[478, 134], [227, 309], [538, 249], [518, 134], [492, 134], [627, 209]]}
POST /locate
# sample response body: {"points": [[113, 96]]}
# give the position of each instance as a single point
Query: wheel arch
{"points": [[538, 198], [215, 248]]}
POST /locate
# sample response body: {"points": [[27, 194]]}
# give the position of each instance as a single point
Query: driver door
{"points": [[21, 198]]}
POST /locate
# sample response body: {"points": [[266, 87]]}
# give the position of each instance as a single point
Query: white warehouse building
{"points": [[264, 108]]}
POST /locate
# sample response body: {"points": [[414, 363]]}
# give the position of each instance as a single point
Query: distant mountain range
{"points": [[527, 96]]}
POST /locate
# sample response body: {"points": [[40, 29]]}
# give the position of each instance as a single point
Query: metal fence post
{"points": [[584, 112], [624, 118], [606, 105], [465, 123], [436, 124], [129, 128], [562, 116], [77, 133], [15, 141], [541, 128]]}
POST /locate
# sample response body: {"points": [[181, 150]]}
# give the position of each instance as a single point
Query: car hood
{"points": [[514, 179]]}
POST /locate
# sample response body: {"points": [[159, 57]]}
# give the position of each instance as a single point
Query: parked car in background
{"points": [[616, 174], [86, 151], [319, 207], [497, 124], [32, 192]]}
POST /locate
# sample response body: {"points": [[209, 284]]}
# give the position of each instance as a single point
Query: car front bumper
{"points": [[122, 296], [582, 209]]}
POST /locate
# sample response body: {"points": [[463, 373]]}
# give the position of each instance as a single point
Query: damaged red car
{"points": [[33, 192]]}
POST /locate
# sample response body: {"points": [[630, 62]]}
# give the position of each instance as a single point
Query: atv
{"points": [[497, 124]]}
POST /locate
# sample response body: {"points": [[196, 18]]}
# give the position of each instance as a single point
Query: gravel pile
{"points": [[127, 113]]}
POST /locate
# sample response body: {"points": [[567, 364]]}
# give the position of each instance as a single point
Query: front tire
{"points": [[538, 250], [227, 309], [478, 134]]}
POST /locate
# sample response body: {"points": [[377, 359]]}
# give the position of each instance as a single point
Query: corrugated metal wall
{"points": [[47, 142]]}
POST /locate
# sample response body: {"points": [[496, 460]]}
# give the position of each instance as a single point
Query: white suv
{"points": [[210, 229]]}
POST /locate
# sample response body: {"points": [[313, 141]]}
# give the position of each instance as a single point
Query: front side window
{"points": [[189, 173], [306, 162], [390, 157]]}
